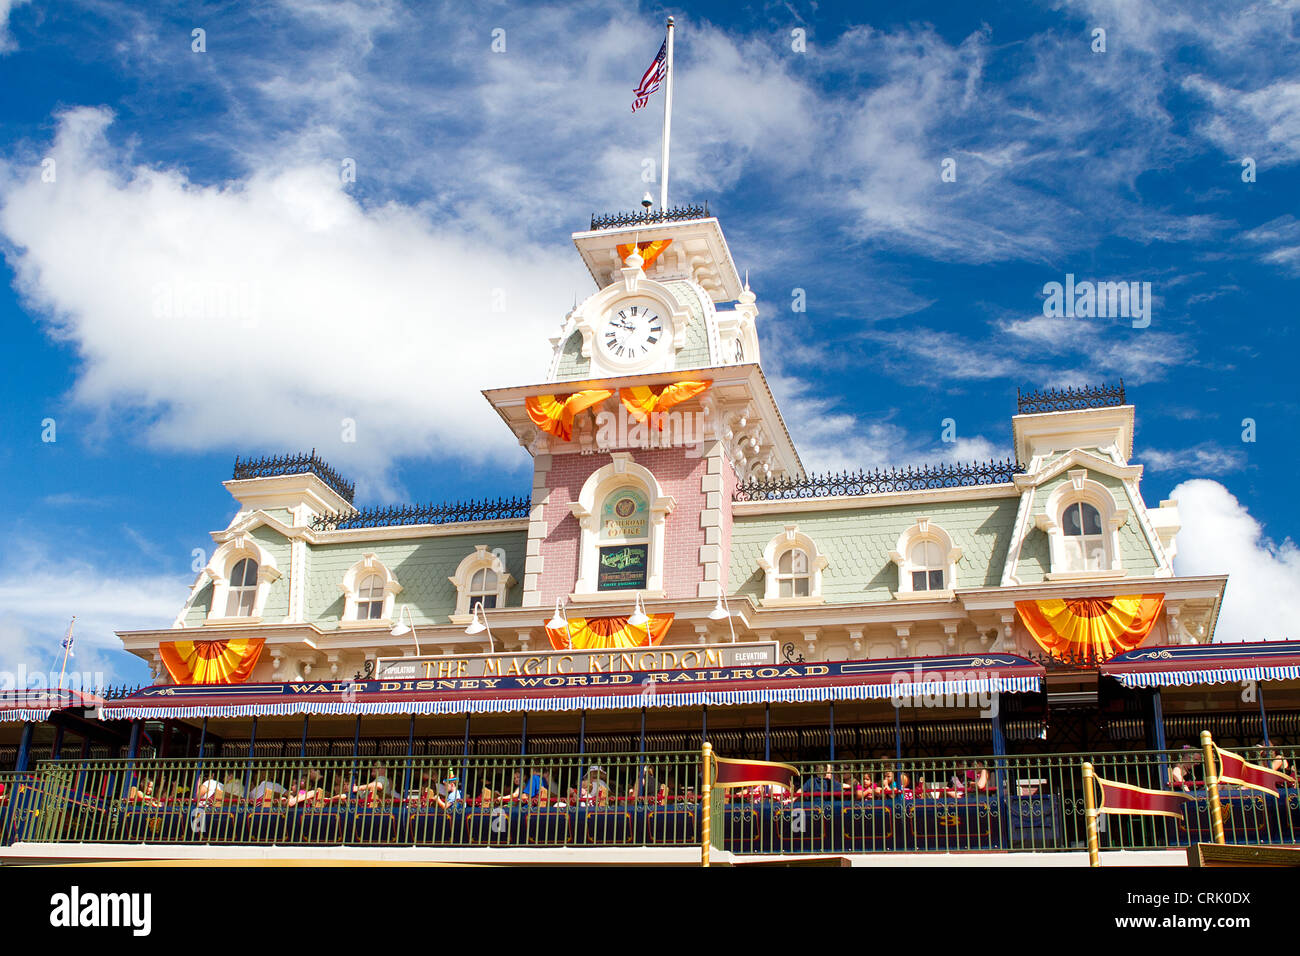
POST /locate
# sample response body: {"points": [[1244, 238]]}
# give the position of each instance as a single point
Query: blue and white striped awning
{"points": [[1188, 678], [35, 705], [1188, 665], [952, 693]]}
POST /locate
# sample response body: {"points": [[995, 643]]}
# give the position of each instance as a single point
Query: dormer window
{"points": [[792, 575], [369, 589], [1084, 545], [242, 594], [792, 569], [370, 599], [927, 562], [927, 566], [1082, 519], [480, 577], [483, 588], [241, 572]]}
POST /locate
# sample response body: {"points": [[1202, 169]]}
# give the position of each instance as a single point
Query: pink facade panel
{"points": [[680, 475]]}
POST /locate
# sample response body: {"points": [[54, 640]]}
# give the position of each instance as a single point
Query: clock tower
{"points": [[653, 410]]}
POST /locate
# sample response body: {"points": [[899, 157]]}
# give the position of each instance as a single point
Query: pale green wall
{"points": [[422, 567], [572, 364], [695, 350], [857, 543]]}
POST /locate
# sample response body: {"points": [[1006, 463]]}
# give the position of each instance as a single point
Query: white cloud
{"points": [[38, 596], [292, 307], [6, 39], [1206, 458], [1219, 536]]}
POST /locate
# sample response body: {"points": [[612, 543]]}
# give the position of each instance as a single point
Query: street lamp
{"points": [[639, 618], [723, 609], [560, 621], [478, 624], [400, 630]]}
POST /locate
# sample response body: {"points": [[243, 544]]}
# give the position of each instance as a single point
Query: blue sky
{"points": [[218, 172]]}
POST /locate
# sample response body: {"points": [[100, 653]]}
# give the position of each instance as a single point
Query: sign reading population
{"points": [[551, 663]]}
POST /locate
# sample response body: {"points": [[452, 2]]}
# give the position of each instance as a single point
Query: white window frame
{"points": [[481, 558], [222, 566], [621, 472], [791, 539], [351, 588], [925, 530], [1081, 488]]}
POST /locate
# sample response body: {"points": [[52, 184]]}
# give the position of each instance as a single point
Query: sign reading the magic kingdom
{"points": [[603, 661]]}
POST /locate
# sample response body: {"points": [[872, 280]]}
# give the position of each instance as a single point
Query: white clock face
{"points": [[632, 331]]}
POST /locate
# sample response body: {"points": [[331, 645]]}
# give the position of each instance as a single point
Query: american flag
{"points": [[653, 77]]}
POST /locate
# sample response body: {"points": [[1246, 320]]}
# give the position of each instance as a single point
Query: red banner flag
{"points": [[753, 773], [1233, 769], [1126, 798]]}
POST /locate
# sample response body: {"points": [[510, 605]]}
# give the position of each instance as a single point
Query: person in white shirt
{"points": [[449, 793]]}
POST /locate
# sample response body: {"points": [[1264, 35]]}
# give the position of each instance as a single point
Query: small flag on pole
{"points": [[68, 640], [753, 773], [1234, 769], [1124, 798], [652, 78]]}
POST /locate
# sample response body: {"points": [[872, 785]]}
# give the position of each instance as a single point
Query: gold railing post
{"points": [[1090, 816], [1212, 787], [706, 804]]}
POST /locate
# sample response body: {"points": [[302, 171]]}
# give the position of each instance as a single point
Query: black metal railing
{"points": [[617, 220], [848, 484], [119, 692], [1069, 399], [453, 512], [274, 467]]}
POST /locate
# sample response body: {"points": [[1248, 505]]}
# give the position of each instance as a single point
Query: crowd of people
{"points": [[539, 785], [536, 786]]}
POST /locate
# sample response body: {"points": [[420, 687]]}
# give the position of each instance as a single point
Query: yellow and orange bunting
{"points": [[595, 633], [643, 401], [1091, 628], [649, 252], [228, 661], [554, 414]]}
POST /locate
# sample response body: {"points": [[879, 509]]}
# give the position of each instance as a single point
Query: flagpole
{"points": [[1090, 815], [1212, 787], [668, 121], [67, 646]]}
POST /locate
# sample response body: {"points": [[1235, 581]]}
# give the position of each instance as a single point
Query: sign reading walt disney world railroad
{"points": [[603, 661]]}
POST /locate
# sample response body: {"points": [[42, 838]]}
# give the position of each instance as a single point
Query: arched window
{"points": [[242, 594], [927, 565], [480, 576], [1085, 546], [927, 560], [621, 513], [624, 540], [1082, 518], [792, 568], [242, 573], [369, 590], [370, 598], [483, 587], [793, 577]]}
